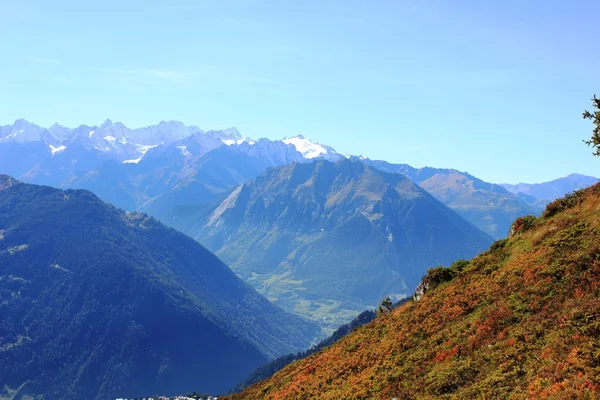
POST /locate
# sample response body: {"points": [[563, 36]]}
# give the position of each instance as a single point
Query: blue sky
{"points": [[495, 88]]}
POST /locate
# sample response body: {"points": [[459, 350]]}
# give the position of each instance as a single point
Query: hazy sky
{"points": [[495, 88]]}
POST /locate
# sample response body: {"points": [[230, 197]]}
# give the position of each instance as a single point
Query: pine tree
{"points": [[594, 116], [385, 307]]}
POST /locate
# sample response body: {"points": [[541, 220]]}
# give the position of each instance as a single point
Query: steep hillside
{"points": [[549, 191], [269, 369], [520, 321], [488, 206], [327, 240], [97, 303]]}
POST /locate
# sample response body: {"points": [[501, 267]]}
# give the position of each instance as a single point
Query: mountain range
{"points": [[170, 165], [548, 191], [104, 300], [329, 239], [97, 303], [181, 174], [490, 207]]}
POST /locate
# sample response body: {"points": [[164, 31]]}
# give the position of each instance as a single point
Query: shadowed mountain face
{"points": [[488, 206], [325, 239], [521, 320], [97, 303]]}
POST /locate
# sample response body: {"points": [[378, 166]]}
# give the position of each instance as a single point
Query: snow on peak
{"points": [[58, 149], [184, 151], [91, 133], [134, 161], [143, 149], [230, 142], [110, 138], [14, 134], [306, 147]]}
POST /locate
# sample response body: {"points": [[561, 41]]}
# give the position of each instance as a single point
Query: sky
{"points": [[494, 88]]}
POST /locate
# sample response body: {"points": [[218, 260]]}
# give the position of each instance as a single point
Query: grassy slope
{"points": [[522, 320]]}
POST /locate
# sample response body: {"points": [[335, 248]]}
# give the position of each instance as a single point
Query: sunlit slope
{"points": [[521, 321]]}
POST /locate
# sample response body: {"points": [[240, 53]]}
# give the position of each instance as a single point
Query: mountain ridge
{"points": [[87, 161], [489, 206], [553, 189], [291, 225], [96, 302]]}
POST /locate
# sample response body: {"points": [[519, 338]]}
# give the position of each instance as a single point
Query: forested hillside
{"points": [[98, 303]]}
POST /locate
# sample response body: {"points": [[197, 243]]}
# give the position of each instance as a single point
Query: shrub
{"points": [[458, 266], [564, 203], [498, 245], [438, 275], [522, 224]]}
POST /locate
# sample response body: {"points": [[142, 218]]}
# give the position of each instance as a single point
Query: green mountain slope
{"points": [[96, 302], [488, 206], [328, 240]]}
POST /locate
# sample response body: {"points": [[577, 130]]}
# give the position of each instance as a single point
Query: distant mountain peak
{"points": [[576, 175], [170, 122], [7, 181], [22, 121], [106, 123], [553, 189], [306, 147], [233, 132]]}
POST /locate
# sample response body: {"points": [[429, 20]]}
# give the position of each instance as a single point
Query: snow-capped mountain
{"points": [[311, 150], [113, 140], [171, 165], [23, 132]]}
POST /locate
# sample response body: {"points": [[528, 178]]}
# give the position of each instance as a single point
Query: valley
{"points": [[267, 200]]}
